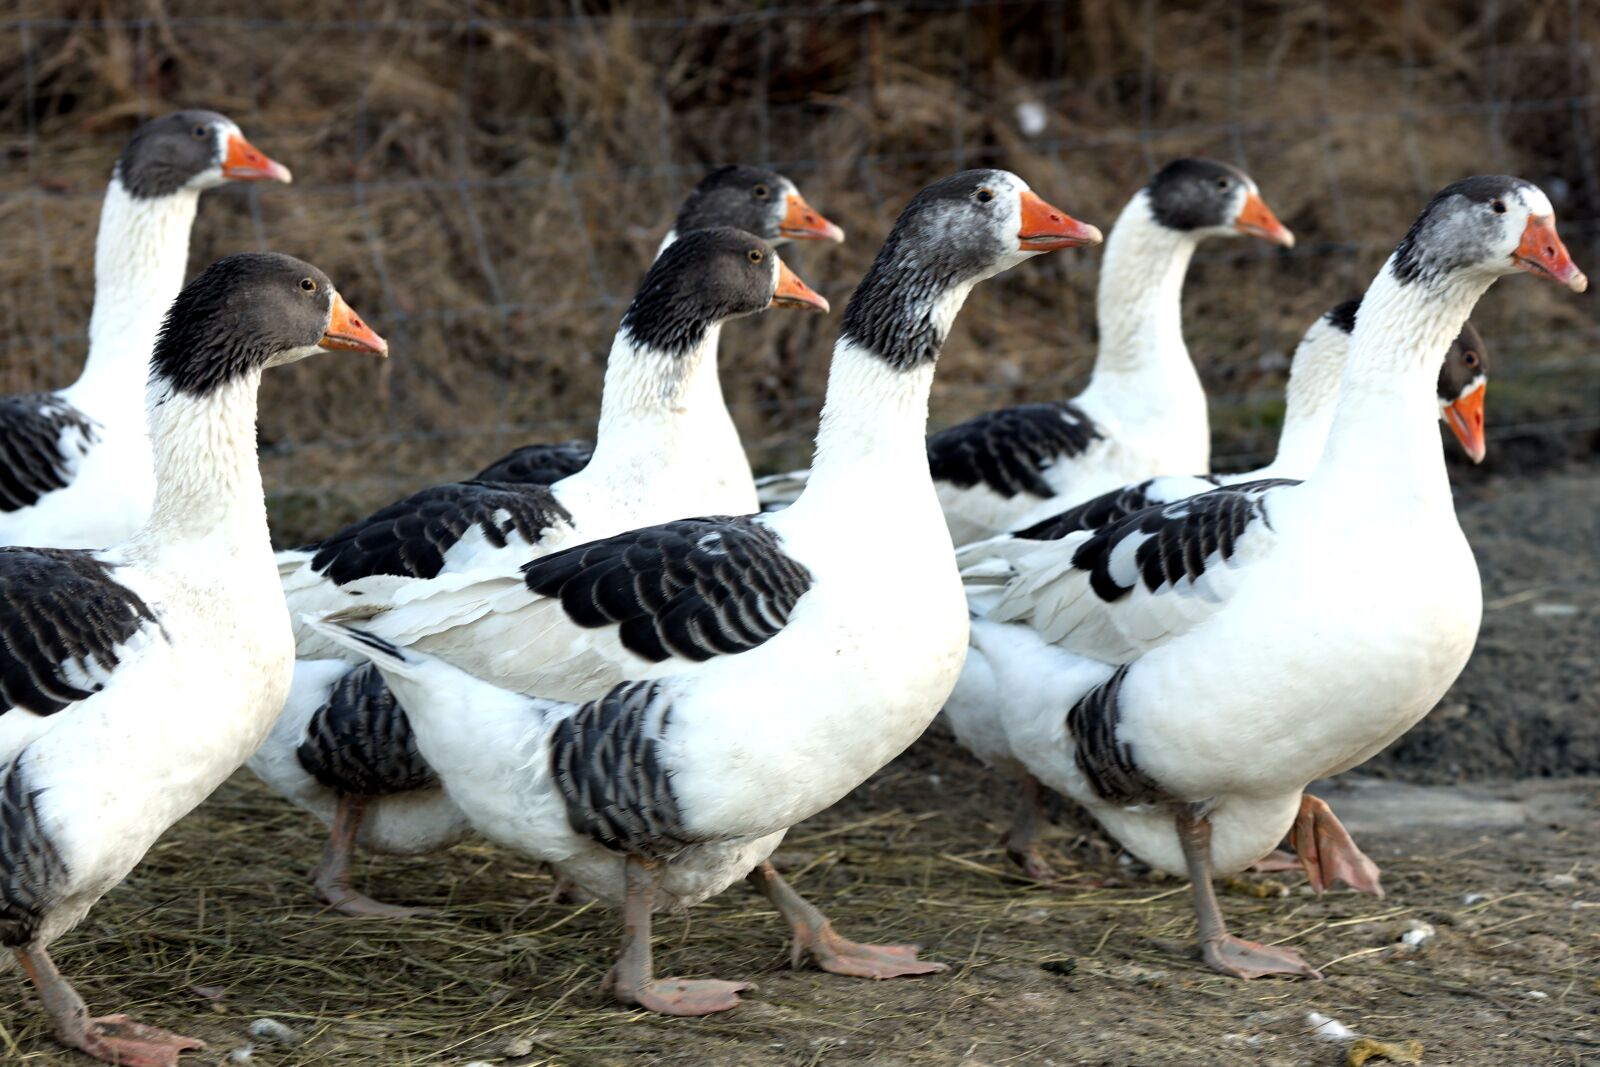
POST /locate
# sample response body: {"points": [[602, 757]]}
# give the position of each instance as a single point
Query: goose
{"points": [[1185, 672], [136, 678], [75, 464], [341, 749], [754, 199], [594, 709], [1144, 410], [1312, 393]]}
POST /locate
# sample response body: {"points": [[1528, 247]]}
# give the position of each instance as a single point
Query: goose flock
{"points": [[630, 660]]}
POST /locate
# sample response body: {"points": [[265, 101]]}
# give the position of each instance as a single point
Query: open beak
{"points": [[347, 333], [803, 223], [247, 163], [1541, 252], [1045, 228], [1257, 220], [794, 293], [1465, 416]]}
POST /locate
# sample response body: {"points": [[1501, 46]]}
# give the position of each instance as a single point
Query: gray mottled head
{"points": [[251, 311], [191, 150], [1211, 199], [1485, 226], [707, 277], [954, 233], [756, 200]]}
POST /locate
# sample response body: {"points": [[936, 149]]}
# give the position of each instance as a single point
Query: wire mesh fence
{"points": [[487, 183]]}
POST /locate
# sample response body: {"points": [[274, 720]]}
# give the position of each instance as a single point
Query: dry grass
{"points": [[487, 189], [217, 929]]}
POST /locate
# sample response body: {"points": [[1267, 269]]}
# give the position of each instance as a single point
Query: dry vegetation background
{"points": [[487, 181]]}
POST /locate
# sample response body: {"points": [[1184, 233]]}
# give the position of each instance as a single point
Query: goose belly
{"points": [[768, 738], [1310, 670]]}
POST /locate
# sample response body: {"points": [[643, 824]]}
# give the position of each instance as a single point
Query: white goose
{"points": [[134, 679], [1186, 672], [753, 199], [636, 769], [1312, 396], [342, 748], [1144, 410], [75, 464]]}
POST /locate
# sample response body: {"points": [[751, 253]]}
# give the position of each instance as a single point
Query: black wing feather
{"points": [[693, 589], [1179, 538], [34, 428], [538, 464], [1009, 450], [1098, 512], [60, 607], [409, 538], [606, 761], [360, 741], [29, 863]]}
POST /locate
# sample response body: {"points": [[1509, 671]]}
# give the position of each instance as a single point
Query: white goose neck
{"points": [[872, 451], [1139, 304], [1384, 430], [1310, 399], [208, 481], [664, 416], [141, 251]]}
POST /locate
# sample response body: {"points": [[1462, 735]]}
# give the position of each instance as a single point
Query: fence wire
{"points": [[487, 185]]}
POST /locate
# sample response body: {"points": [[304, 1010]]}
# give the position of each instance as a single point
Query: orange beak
{"points": [[247, 163], [794, 293], [1257, 220], [1465, 416], [346, 332], [803, 223], [1542, 253], [1045, 228]]}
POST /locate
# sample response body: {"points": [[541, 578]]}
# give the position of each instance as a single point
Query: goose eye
{"points": [[755, 255], [761, 192], [983, 195], [201, 132], [1470, 358], [308, 285], [1499, 207]]}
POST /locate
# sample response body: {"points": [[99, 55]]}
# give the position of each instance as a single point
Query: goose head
{"points": [[758, 201], [1483, 228], [191, 151], [705, 278], [953, 234], [1463, 380], [1209, 199], [251, 311]]}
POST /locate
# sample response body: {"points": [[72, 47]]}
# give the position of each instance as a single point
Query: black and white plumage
{"points": [[538, 464], [691, 689], [44, 440], [691, 589], [76, 469], [1225, 650], [136, 678], [360, 742], [1143, 412], [1009, 449], [413, 537], [606, 758], [67, 626]]}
